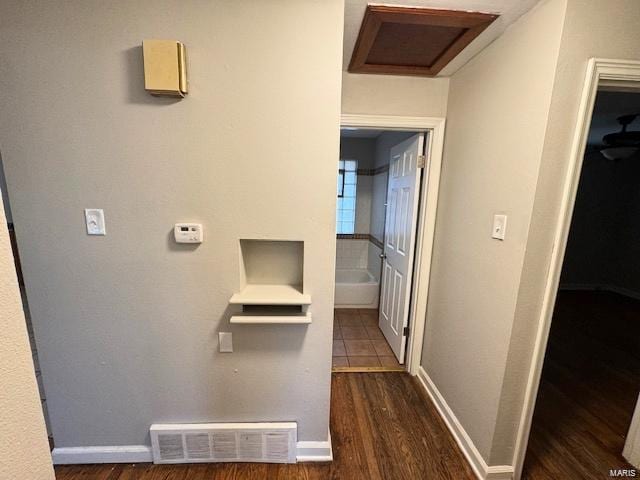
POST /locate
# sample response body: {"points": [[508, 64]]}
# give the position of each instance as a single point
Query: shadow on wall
{"points": [[5, 195], [134, 69]]}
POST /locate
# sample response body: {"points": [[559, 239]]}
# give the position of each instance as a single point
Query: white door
{"points": [[399, 241]]}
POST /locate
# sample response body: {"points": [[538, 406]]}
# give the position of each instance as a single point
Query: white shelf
{"points": [[255, 294], [271, 319]]}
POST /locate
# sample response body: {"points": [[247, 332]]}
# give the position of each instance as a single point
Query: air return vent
{"points": [[224, 442]]}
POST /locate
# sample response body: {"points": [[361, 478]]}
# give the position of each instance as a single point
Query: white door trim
{"points": [[426, 217], [599, 72], [632, 446]]}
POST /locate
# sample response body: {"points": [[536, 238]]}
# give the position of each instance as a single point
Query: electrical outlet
{"points": [[499, 227]]}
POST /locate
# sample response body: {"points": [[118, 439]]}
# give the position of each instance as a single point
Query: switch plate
{"points": [[94, 218], [225, 340], [499, 227]]}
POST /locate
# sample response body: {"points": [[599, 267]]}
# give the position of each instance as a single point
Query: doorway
{"points": [[590, 378], [384, 222]]}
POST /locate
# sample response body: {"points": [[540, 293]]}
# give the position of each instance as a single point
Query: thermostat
{"points": [[188, 232]]}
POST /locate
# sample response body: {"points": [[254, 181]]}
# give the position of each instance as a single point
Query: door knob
{"points": [[383, 255]]}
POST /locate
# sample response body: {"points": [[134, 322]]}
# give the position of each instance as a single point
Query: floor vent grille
{"points": [[224, 442]]}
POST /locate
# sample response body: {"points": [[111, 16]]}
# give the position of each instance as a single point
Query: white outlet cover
{"points": [[499, 227], [225, 339], [94, 218]]}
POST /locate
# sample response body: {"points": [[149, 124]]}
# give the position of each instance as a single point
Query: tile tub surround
{"points": [[352, 253], [359, 250], [358, 343]]}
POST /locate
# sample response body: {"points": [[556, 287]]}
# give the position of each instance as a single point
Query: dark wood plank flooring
{"points": [[589, 388], [383, 426]]}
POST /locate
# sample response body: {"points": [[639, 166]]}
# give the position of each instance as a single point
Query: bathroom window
{"points": [[347, 179]]}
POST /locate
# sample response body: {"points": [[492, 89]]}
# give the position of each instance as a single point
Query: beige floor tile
{"points": [[359, 348], [354, 333], [364, 361], [338, 349], [350, 321], [337, 333], [382, 348], [375, 333], [369, 321], [340, 362], [389, 361]]}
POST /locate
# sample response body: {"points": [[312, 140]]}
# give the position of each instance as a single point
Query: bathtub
{"points": [[356, 288]]}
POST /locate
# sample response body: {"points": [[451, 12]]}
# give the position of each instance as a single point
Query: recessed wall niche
{"points": [[271, 273]]}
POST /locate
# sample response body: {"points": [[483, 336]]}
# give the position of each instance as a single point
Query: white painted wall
{"points": [[496, 123], [592, 28], [24, 450], [394, 95], [127, 324]]}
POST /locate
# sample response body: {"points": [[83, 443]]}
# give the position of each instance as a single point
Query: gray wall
{"points": [[603, 248], [362, 150], [127, 324], [496, 122], [5, 195], [586, 33]]}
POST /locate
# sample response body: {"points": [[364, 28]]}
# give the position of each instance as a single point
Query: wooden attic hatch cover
{"points": [[413, 41]]}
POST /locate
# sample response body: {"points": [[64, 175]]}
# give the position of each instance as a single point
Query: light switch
{"points": [[95, 221], [226, 342], [499, 227]]}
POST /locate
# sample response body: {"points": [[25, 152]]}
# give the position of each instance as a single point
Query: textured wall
{"points": [[496, 122], [24, 450], [394, 95], [586, 34], [127, 324]]}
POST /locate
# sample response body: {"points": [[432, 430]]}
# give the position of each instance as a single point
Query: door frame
{"points": [[427, 208], [601, 73]]}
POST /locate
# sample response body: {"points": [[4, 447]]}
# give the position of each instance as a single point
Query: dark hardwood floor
{"points": [[590, 384], [383, 426]]}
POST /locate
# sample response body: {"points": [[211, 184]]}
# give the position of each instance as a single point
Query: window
{"points": [[346, 214]]}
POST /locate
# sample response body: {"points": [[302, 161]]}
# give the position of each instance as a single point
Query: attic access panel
{"points": [[413, 41]]}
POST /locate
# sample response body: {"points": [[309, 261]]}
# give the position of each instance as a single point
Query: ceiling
{"points": [[509, 10], [608, 107]]}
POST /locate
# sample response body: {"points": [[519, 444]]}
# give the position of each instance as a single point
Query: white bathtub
{"points": [[356, 288]]}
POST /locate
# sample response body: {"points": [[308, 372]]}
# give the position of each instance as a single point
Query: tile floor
{"points": [[358, 342]]}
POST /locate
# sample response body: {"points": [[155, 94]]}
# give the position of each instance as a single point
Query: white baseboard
{"points": [[113, 454], [309, 451], [469, 450], [600, 287], [315, 451]]}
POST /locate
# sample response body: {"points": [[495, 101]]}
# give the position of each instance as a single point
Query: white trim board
{"points": [[426, 216], [113, 454], [462, 438], [306, 451], [600, 72]]}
